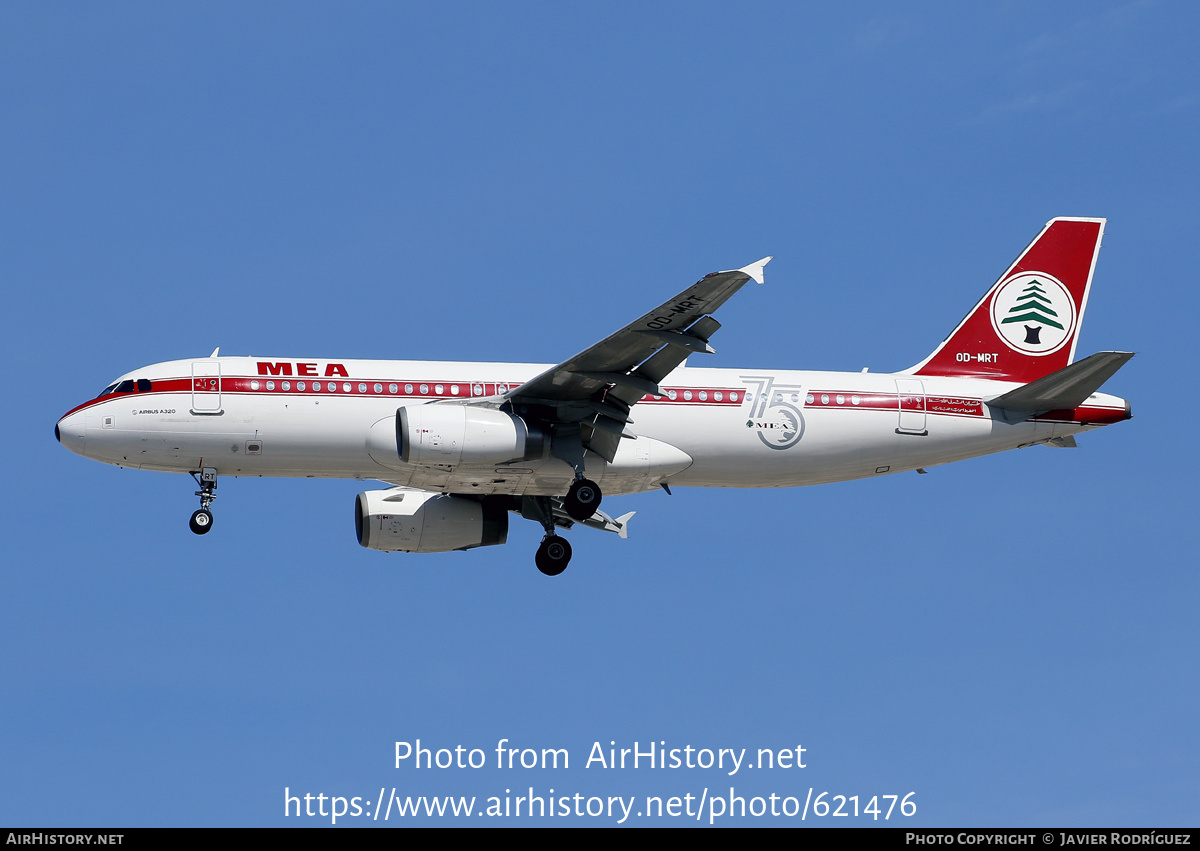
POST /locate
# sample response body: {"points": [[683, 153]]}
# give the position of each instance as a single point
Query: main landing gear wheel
{"points": [[201, 521], [553, 555], [582, 499]]}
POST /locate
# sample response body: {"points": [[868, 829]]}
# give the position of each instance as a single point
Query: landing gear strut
{"points": [[582, 499], [554, 553], [202, 520]]}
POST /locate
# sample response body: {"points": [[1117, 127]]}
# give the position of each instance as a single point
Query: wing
{"points": [[595, 390]]}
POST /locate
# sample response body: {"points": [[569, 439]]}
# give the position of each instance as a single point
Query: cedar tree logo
{"points": [[1033, 313]]}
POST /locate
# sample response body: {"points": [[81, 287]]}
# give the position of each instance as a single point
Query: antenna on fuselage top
{"points": [[215, 352]]}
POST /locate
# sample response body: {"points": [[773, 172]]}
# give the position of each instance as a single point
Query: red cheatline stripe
{"points": [[942, 405], [1090, 414], [428, 389], [947, 405]]}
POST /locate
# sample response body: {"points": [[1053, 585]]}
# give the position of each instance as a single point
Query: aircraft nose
{"points": [[71, 432]]}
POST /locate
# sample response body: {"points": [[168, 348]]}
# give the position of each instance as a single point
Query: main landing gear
{"points": [[582, 499], [202, 520], [553, 555], [581, 502]]}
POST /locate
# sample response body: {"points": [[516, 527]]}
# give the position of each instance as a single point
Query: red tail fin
{"points": [[1028, 323]]}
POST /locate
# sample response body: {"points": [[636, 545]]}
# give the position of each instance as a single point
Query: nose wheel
{"points": [[202, 519], [582, 499]]}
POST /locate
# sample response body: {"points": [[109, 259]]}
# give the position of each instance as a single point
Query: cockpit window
{"points": [[110, 388], [125, 386], [143, 385]]}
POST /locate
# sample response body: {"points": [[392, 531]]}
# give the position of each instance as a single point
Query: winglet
{"points": [[755, 270]]}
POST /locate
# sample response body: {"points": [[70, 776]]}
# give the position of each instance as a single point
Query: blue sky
{"points": [[1011, 638]]}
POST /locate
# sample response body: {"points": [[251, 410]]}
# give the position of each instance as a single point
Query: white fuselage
{"points": [[711, 428]]}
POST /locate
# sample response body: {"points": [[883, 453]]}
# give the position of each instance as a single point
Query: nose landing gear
{"points": [[202, 519]]}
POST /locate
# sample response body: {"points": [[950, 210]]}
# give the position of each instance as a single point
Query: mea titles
{"points": [[653, 755]]}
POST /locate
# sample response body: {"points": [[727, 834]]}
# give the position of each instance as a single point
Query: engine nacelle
{"points": [[414, 521], [449, 435]]}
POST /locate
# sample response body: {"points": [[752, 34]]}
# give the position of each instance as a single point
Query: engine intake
{"points": [[449, 435], [414, 521]]}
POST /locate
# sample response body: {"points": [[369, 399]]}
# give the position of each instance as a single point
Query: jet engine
{"points": [[449, 435], [415, 521]]}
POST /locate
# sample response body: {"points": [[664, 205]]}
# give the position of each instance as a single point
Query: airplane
{"points": [[464, 445]]}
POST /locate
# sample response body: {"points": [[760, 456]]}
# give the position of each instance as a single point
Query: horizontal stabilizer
{"points": [[1064, 442], [1065, 389]]}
